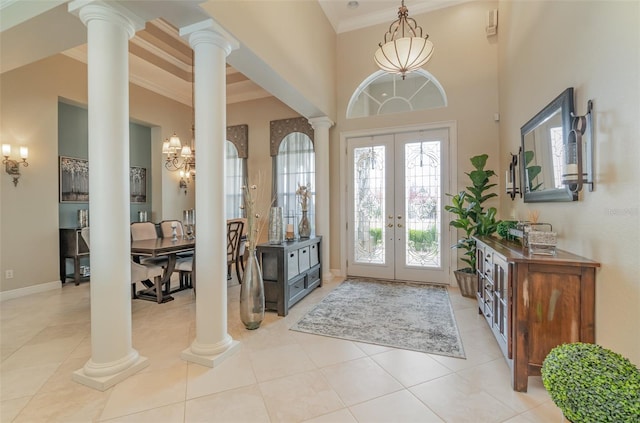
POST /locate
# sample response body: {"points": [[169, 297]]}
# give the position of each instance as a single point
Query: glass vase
{"points": [[275, 226], [252, 293], [304, 227]]}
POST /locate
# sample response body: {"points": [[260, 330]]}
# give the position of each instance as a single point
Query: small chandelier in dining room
{"points": [[177, 156], [404, 48]]}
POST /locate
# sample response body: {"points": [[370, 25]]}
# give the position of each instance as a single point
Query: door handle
{"points": [[390, 225], [399, 217], [390, 216], [399, 225]]}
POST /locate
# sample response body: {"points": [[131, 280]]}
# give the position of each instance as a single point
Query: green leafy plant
{"points": [[590, 383], [472, 216], [531, 171], [424, 240], [503, 228], [376, 235]]}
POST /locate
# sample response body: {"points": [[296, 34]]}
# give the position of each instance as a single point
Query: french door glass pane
{"points": [[423, 204], [369, 203]]}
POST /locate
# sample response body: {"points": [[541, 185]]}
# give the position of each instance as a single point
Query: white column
{"points": [[211, 45], [321, 127], [112, 357]]}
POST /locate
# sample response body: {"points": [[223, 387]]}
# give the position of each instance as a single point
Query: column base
{"points": [[210, 360], [102, 383], [327, 275]]}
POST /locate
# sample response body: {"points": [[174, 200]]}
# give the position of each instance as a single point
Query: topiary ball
{"points": [[591, 384]]}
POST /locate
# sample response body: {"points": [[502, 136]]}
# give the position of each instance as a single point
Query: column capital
{"points": [[208, 31], [321, 122], [88, 10]]}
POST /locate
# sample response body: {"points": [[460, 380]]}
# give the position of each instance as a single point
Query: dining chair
{"points": [[144, 272], [235, 233], [143, 230], [166, 228], [184, 264]]}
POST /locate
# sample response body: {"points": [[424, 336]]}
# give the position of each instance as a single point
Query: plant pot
{"points": [[467, 282]]}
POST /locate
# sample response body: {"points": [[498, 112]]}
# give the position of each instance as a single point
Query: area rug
{"points": [[410, 316]]}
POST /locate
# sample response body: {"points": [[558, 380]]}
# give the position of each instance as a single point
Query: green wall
{"points": [[73, 136]]}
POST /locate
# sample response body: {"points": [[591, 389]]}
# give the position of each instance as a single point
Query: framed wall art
{"points": [[74, 180], [138, 184]]}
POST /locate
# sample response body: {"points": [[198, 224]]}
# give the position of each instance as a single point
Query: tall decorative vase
{"points": [[252, 293], [304, 227], [276, 232]]}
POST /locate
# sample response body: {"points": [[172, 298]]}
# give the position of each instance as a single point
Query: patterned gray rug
{"points": [[411, 316]]}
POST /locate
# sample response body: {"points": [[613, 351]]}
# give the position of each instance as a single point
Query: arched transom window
{"points": [[382, 93]]}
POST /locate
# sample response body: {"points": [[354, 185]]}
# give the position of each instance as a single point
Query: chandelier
{"points": [[178, 157], [404, 49]]}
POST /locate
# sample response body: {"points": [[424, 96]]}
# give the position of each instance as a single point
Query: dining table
{"points": [[163, 247]]}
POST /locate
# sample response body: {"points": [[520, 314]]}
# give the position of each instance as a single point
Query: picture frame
{"points": [[138, 184], [74, 180]]}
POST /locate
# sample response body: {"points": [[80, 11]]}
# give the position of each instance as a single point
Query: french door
{"points": [[395, 188]]}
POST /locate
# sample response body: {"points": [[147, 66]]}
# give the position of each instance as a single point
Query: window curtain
{"points": [[234, 178], [295, 166]]}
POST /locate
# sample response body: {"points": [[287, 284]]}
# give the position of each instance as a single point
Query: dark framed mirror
{"points": [[542, 155]]}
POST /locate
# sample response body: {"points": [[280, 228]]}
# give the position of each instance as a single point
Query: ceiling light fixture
{"points": [[404, 49]]}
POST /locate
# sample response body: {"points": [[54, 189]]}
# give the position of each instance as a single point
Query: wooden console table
{"points": [[290, 271], [533, 303]]}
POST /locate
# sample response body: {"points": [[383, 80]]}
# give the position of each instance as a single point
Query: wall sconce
{"points": [[185, 179], [12, 167], [578, 153], [512, 185]]}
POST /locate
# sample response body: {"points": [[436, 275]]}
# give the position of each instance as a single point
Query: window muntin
{"points": [[384, 93], [295, 165]]}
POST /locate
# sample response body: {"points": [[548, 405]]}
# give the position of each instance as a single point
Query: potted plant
{"points": [[590, 383], [503, 229], [473, 219]]}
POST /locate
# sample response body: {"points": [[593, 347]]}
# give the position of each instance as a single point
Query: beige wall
{"points": [[465, 63], [594, 47], [29, 224], [294, 38]]}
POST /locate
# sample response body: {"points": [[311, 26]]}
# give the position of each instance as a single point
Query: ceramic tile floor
{"points": [[278, 375]]}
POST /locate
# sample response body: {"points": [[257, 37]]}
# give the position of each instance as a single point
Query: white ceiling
{"points": [[160, 60], [373, 12]]}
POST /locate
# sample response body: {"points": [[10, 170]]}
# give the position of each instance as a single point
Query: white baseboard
{"points": [[33, 289], [337, 272]]}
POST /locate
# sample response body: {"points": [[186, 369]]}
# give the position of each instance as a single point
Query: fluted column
{"points": [[109, 28], [321, 127], [211, 45]]}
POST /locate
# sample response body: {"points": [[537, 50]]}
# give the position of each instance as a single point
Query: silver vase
{"points": [[276, 231], [252, 293]]}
